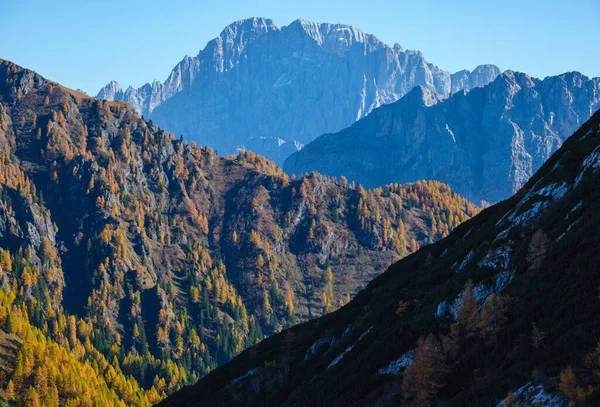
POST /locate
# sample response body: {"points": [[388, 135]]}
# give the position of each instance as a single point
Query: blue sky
{"points": [[85, 43]]}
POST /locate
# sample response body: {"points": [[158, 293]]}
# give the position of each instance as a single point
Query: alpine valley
{"points": [[331, 254], [502, 312], [133, 263]]}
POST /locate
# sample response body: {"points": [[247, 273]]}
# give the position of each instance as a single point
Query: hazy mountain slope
{"points": [[272, 89], [484, 143], [173, 258], [528, 314]]}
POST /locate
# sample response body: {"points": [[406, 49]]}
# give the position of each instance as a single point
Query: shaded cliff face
{"points": [[272, 90], [484, 143], [177, 258], [461, 322]]}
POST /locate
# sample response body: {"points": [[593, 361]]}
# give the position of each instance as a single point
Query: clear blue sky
{"points": [[85, 43]]}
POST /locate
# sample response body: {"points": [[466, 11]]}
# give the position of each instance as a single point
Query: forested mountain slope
{"points": [[152, 259], [505, 307]]}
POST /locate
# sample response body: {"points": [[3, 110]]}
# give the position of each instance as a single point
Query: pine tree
{"points": [[510, 400], [311, 230], [9, 392], [32, 398], [568, 385], [423, 378], [260, 262], [492, 316], [343, 181], [467, 313], [537, 250]]}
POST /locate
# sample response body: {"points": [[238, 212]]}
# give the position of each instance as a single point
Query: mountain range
{"points": [[272, 90], [146, 261], [138, 268], [485, 143], [502, 313]]}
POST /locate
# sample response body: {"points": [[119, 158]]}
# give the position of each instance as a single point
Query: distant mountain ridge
{"points": [[485, 143], [272, 89]]}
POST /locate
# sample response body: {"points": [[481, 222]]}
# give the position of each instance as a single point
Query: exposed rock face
{"points": [[485, 143], [112, 91], [481, 76], [145, 99], [274, 89]]}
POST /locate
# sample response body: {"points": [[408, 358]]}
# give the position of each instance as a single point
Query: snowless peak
{"points": [[114, 84], [480, 76], [231, 43], [514, 81], [506, 80], [487, 68], [254, 24], [525, 80], [574, 77], [110, 91], [515, 77], [335, 38], [422, 95]]}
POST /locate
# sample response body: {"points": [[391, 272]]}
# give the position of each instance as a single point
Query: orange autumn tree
{"points": [[424, 377]]}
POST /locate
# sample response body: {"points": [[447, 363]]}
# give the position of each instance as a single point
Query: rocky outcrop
{"points": [[112, 91], [485, 143], [481, 76], [272, 90]]}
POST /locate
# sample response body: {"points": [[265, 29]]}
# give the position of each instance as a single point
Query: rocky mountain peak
{"points": [[487, 68], [224, 51], [112, 91], [422, 96], [336, 38], [257, 25], [480, 76]]}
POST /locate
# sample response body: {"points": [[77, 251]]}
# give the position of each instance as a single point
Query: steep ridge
{"points": [[272, 90], [128, 245], [484, 143], [503, 311]]}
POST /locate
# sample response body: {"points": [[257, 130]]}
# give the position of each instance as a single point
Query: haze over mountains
{"points": [[485, 143], [273, 90]]}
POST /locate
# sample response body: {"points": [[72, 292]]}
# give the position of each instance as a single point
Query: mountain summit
{"points": [[272, 90]]}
